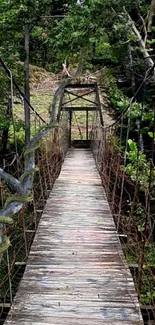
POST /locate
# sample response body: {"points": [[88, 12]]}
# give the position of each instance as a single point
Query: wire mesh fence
{"points": [[27, 175], [128, 175], [48, 160]]}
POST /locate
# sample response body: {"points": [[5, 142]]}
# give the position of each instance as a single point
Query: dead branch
{"points": [[148, 61]]}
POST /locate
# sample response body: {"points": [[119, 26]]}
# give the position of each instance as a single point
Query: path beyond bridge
{"points": [[76, 272]]}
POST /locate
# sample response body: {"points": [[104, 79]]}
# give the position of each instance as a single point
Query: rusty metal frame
{"points": [[96, 103], [79, 96]]}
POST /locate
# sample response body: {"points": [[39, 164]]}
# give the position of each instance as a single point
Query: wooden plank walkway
{"points": [[76, 272]]}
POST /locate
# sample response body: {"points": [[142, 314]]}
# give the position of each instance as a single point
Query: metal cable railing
{"points": [[26, 179], [128, 175]]}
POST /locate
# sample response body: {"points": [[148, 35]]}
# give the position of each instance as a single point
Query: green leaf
{"points": [[150, 134], [132, 145], [141, 228]]}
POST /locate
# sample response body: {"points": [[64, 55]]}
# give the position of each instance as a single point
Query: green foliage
{"points": [[118, 100], [19, 128], [138, 166], [148, 291], [148, 288], [53, 40], [135, 111]]}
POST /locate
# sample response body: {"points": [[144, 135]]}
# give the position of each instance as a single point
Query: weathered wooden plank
{"points": [[72, 272], [76, 271], [47, 300], [42, 310], [69, 298], [18, 320]]}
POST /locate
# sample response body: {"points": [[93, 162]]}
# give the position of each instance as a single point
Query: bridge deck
{"points": [[76, 272]]}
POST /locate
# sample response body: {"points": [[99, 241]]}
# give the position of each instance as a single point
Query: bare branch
{"points": [[148, 61], [146, 56], [145, 29], [12, 181], [11, 209]]}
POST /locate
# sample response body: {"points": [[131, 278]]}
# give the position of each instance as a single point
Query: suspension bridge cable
{"points": [[20, 91]]}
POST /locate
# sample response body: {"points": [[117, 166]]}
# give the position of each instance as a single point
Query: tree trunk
{"points": [[5, 134], [131, 69], [44, 56], [27, 83], [150, 16]]}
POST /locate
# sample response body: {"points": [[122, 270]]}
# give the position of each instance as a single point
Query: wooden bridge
{"points": [[76, 272]]}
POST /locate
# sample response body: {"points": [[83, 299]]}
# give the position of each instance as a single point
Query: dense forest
{"points": [[117, 35], [115, 40]]}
